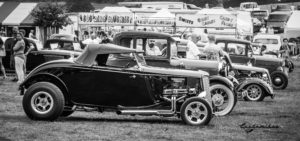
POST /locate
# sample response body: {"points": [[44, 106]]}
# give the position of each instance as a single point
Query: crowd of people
{"points": [[18, 48]]}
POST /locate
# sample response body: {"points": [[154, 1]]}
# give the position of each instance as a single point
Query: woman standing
{"points": [[2, 55], [19, 57]]}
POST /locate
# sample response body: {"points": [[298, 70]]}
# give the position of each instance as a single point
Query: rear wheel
{"points": [[43, 101], [279, 80], [196, 111], [223, 99], [254, 93]]}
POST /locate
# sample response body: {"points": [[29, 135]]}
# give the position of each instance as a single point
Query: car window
{"points": [[266, 41], [155, 47], [54, 46], [237, 49]]}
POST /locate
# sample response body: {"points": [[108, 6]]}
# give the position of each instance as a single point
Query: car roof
{"points": [[232, 40], [281, 13], [59, 40], [148, 34], [91, 51]]}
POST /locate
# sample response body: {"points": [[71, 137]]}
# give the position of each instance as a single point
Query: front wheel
{"points": [[43, 101], [196, 111], [223, 99], [279, 80], [254, 93]]}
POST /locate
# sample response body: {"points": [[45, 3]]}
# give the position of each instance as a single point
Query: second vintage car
{"points": [[241, 52], [222, 88], [58, 88]]}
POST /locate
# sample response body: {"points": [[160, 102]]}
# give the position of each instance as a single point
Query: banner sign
{"points": [[145, 19], [214, 21], [106, 18]]}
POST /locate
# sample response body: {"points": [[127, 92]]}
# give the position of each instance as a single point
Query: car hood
{"points": [[177, 72], [267, 59], [248, 68]]}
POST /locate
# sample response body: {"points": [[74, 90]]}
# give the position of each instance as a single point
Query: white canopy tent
{"points": [[163, 14], [116, 9], [292, 28]]}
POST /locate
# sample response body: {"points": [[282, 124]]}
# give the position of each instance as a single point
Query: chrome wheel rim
{"points": [[196, 112], [219, 98], [254, 92], [277, 80], [42, 102]]}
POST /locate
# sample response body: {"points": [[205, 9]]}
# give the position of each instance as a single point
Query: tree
{"points": [[79, 6], [50, 15]]}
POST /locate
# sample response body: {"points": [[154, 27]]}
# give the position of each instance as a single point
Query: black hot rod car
{"points": [[58, 88]]}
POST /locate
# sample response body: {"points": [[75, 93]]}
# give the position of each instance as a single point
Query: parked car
{"points": [[65, 36], [249, 6], [167, 59], [277, 20], [254, 83], [52, 50], [241, 52], [273, 42], [281, 7], [58, 88]]}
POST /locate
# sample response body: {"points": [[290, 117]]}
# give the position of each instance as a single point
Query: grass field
{"points": [[283, 111]]}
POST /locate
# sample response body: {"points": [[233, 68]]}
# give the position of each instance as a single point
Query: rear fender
{"points": [[222, 80], [44, 77], [247, 81]]}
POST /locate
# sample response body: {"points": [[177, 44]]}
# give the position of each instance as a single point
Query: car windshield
{"points": [[283, 8], [266, 41], [278, 18], [259, 13], [250, 5]]}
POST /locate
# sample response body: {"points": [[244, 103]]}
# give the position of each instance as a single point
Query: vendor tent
{"points": [[212, 11], [163, 14], [292, 28]]}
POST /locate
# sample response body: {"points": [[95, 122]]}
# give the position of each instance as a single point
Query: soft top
{"points": [[91, 51]]}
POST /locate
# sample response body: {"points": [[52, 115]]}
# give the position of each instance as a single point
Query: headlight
{"points": [[202, 94], [265, 75]]}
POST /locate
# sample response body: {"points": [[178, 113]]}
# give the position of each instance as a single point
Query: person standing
{"points": [[31, 35], [192, 51], [284, 50], [2, 54], [19, 58]]}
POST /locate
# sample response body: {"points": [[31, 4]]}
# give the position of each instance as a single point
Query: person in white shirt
{"points": [[31, 35], [152, 49], [263, 29], [192, 51], [91, 40]]}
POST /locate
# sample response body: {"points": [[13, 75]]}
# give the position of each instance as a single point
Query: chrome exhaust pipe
{"points": [[152, 112]]}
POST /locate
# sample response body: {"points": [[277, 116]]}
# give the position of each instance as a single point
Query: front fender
{"points": [[222, 80], [247, 81]]}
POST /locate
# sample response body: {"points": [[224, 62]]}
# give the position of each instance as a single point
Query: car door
{"points": [[107, 86], [34, 59]]}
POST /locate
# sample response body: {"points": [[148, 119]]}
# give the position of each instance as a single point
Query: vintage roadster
{"points": [[241, 52], [222, 88], [58, 88]]}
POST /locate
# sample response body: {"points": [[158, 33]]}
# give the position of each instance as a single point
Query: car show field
{"points": [[272, 119]]}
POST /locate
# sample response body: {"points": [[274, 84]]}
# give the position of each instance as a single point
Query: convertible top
{"points": [[90, 53]]}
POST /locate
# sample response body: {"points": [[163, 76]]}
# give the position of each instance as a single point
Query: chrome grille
{"points": [[205, 83]]}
